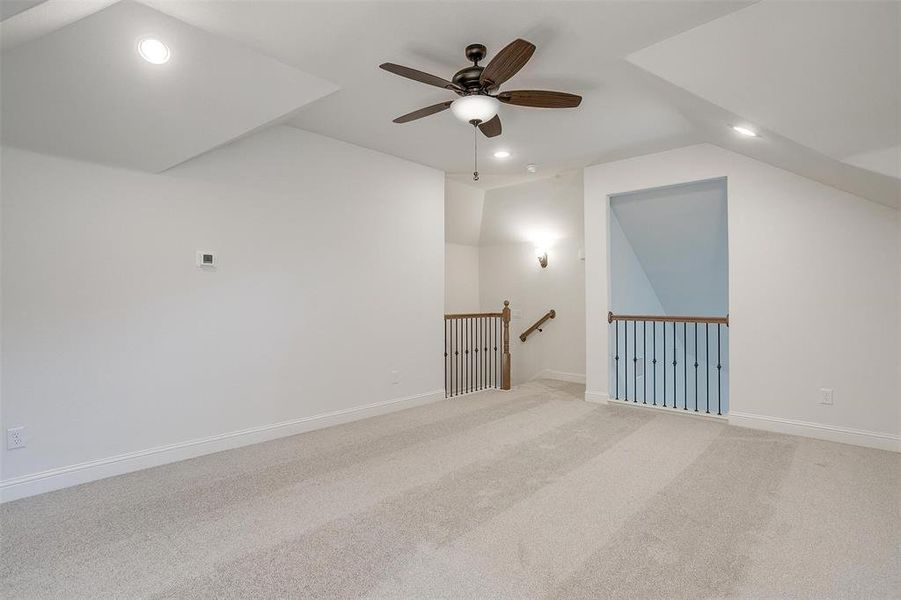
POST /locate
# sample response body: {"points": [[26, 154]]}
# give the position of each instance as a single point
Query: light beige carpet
{"points": [[526, 494]]}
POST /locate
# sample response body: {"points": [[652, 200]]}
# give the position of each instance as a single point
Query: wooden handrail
{"points": [[448, 317], [548, 315], [667, 319]]}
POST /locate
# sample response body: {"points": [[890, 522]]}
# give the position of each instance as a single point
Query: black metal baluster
{"points": [[719, 371], [635, 361], [675, 377], [707, 366], [644, 358], [494, 351], [626, 359], [486, 364], [478, 342], [471, 355], [684, 366], [663, 326], [453, 355], [654, 362], [475, 355], [474, 343], [482, 354], [459, 357], [616, 355], [497, 365], [462, 327], [484, 350], [696, 367]]}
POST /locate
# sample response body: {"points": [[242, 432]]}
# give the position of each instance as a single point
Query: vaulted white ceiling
{"points": [[84, 91], [825, 74], [578, 45], [654, 75]]}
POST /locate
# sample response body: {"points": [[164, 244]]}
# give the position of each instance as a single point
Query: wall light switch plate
{"points": [[15, 438], [516, 313], [395, 377], [826, 396]]}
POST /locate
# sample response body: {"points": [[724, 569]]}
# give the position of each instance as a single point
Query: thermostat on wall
{"points": [[205, 258]]}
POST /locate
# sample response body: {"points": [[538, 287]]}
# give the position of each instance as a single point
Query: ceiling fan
{"points": [[478, 86]]}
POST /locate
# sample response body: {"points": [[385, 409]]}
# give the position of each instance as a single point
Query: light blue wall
{"points": [[679, 236], [633, 291], [669, 256]]}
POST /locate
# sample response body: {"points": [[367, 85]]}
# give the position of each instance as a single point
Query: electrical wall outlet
{"points": [[826, 396], [15, 438], [395, 377]]}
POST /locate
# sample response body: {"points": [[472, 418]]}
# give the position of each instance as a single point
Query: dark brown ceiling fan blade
{"points": [[491, 127], [423, 112], [506, 63], [419, 76], [540, 99]]}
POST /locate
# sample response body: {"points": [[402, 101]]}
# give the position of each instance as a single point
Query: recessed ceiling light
{"points": [[501, 154], [745, 131], [153, 51], [532, 168]]}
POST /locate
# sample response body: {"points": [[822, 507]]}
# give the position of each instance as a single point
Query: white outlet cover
{"points": [[826, 396], [15, 438]]}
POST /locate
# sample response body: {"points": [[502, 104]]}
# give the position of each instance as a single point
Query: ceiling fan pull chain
{"points": [[475, 150]]}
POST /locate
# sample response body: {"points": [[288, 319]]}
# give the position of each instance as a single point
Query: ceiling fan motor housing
{"points": [[468, 77]]}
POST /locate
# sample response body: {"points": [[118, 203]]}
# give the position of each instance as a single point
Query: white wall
{"points": [[330, 277], [461, 278], [813, 292], [516, 218], [462, 226], [462, 213]]}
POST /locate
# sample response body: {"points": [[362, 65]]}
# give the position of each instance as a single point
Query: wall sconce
{"points": [[542, 257]]}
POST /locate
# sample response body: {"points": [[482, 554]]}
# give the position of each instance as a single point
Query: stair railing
{"points": [[537, 326], [476, 351], [687, 353]]}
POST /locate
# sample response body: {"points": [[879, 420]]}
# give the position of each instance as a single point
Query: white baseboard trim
{"points": [[820, 431], [596, 397], [62, 477], [561, 376], [679, 412]]}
